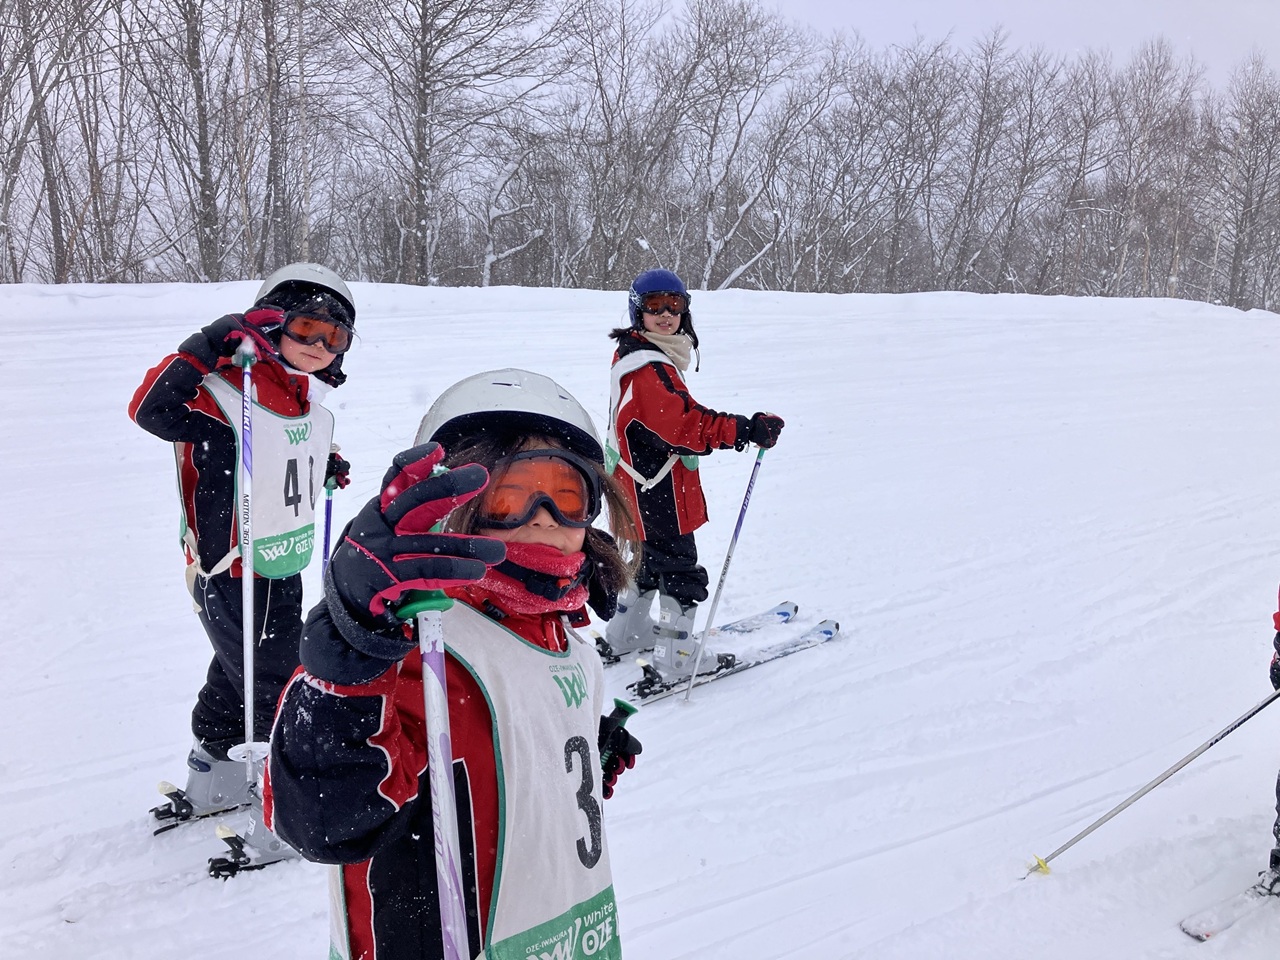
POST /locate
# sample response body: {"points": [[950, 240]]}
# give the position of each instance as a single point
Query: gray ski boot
{"points": [[675, 648], [255, 848], [631, 629], [213, 786]]}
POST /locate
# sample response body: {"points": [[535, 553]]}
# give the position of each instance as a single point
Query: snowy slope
{"points": [[1048, 526]]}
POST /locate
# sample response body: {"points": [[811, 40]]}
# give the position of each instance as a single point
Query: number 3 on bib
{"points": [[587, 803]]}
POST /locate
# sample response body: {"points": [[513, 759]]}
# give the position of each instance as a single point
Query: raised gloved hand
{"points": [[388, 549], [337, 472], [1275, 663], [764, 429], [618, 751], [222, 337]]}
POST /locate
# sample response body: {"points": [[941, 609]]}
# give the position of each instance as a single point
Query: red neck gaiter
{"points": [[542, 559]]}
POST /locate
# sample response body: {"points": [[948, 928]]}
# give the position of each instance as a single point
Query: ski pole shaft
{"points": [[328, 526], [426, 606], [245, 358], [724, 572], [329, 486], [1042, 863]]}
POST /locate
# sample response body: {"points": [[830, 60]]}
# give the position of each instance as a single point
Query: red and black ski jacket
{"points": [[655, 419], [172, 404], [347, 782]]}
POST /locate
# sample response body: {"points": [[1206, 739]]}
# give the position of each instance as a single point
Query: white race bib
{"points": [[553, 892], [290, 456]]}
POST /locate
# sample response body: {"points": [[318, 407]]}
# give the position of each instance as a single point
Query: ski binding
{"points": [[653, 687]]}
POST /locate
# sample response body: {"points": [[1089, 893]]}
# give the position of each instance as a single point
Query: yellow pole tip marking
{"points": [[1040, 865]]}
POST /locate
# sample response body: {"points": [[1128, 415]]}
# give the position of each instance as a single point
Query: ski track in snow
{"points": [[1047, 527]]}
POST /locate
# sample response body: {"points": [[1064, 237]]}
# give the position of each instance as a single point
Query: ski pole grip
{"points": [[421, 601], [621, 712], [245, 355]]}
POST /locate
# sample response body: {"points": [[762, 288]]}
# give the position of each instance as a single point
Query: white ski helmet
{"points": [[516, 398], [309, 274]]}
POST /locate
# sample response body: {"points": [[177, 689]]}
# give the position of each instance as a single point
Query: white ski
{"points": [[781, 613], [1213, 920]]}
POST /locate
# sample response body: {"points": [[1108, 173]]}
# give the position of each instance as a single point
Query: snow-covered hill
{"points": [[1050, 528]]}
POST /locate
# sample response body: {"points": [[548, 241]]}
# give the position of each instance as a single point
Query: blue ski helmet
{"points": [[654, 281], [660, 281]]}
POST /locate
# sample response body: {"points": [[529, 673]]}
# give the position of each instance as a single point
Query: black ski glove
{"points": [[337, 472], [388, 549], [222, 337], [618, 751], [1275, 665], [765, 428]]}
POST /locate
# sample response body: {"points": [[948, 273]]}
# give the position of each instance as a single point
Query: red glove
{"points": [[337, 473], [618, 751]]}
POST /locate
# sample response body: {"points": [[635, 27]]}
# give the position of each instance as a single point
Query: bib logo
{"points": [[276, 549], [298, 434], [572, 682], [587, 937]]}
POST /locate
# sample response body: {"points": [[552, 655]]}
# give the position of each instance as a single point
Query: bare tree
{"points": [[436, 71], [1249, 177], [921, 96]]}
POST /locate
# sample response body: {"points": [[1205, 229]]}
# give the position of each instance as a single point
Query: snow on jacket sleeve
{"points": [[662, 403], [342, 778], [170, 404]]}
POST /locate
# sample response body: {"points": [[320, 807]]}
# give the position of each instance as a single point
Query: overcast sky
{"points": [[1220, 33]]}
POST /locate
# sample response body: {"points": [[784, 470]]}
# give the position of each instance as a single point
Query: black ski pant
{"points": [[670, 565], [218, 718], [1275, 831]]}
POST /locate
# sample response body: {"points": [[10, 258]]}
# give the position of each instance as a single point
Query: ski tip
{"points": [[224, 832], [1200, 935]]}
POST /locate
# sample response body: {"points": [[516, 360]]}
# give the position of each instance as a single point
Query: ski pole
{"points": [[1042, 863], [328, 524], [329, 486], [426, 606], [724, 571], [249, 751]]}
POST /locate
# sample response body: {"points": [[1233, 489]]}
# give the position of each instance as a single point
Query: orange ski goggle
{"points": [[307, 328], [559, 480]]}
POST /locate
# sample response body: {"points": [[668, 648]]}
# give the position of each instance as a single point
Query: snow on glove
{"points": [[222, 337], [764, 429], [388, 549], [337, 473], [618, 749]]}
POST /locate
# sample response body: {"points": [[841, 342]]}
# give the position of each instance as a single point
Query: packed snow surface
{"points": [[1048, 527]]}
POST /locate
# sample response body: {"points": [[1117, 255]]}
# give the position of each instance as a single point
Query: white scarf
{"points": [[675, 345]]}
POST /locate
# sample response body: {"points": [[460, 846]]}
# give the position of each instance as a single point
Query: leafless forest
{"points": [[574, 142]]}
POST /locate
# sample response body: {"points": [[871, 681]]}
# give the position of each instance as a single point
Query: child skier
{"points": [[301, 325], [656, 433], [347, 779]]}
